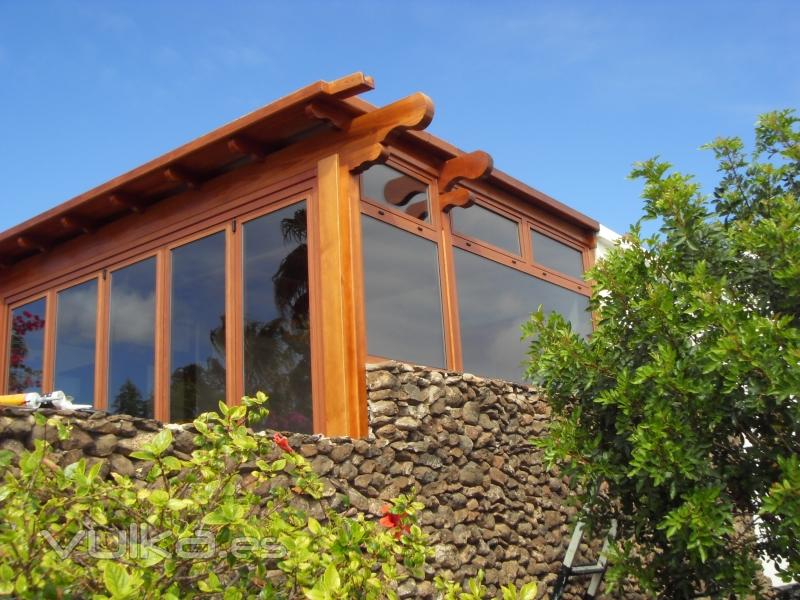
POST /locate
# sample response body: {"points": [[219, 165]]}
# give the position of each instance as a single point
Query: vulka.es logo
{"points": [[139, 542]]}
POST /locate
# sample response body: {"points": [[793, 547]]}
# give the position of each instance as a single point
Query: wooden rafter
{"points": [[27, 242], [247, 147], [180, 175], [324, 111], [74, 222], [120, 200]]}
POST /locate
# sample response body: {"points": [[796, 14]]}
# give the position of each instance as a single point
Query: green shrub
{"points": [[196, 528]]}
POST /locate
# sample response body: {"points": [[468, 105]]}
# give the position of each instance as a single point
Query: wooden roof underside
{"points": [[321, 106]]}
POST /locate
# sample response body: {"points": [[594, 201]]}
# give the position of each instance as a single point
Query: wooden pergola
{"points": [[311, 144]]}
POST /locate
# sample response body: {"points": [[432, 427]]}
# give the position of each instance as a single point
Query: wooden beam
{"points": [[412, 112], [470, 166], [27, 242], [457, 198], [181, 175], [73, 222], [121, 200], [323, 111], [247, 147], [349, 85], [343, 350]]}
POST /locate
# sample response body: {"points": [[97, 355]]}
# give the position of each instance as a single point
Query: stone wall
{"points": [[460, 441]]}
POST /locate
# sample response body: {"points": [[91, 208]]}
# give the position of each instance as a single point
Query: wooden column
{"points": [[343, 355]]}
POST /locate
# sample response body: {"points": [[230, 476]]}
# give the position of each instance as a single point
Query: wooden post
{"points": [[343, 355]]}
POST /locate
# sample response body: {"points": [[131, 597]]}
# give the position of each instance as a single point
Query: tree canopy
{"points": [[679, 415]]}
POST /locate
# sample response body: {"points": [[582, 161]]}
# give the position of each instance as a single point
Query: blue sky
{"points": [[564, 95]]}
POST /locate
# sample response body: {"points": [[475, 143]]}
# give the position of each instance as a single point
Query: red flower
{"points": [[282, 443], [394, 521]]}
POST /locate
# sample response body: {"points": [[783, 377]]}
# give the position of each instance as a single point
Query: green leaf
{"points": [[116, 579], [159, 444]]}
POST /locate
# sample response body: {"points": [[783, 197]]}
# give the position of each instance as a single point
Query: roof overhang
{"points": [[323, 106]]}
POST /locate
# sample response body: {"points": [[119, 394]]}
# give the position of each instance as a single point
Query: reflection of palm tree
{"points": [[277, 353]]}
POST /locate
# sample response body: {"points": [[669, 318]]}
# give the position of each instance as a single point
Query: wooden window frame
{"points": [[102, 364], [431, 231], [228, 215], [525, 262], [57, 290]]}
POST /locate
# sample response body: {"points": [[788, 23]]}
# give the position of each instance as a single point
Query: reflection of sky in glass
{"points": [[75, 341], [27, 347], [493, 302], [131, 339], [558, 256], [197, 341], [486, 225], [403, 302], [277, 351]]}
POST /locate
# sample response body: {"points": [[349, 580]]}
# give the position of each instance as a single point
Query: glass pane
{"points": [[401, 284], [27, 348], [558, 256], [131, 354], [277, 343], [494, 301], [197, 342], [76, 325], [486, 225], [388, 186]]}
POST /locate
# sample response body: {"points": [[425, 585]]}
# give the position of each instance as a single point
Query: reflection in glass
{"points": [[478, 222], [494, 301], [556, 255], [388, 186], [131, 353], [27, 348], [277, 344], [76, 326], [403, 301], [197, 342]]}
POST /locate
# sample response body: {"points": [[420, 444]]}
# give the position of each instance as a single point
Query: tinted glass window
{"points": [[131, 353], [401, 283], [558, 256], [277, 348], [27, 348], [76, 325], [388, 186], [494, 301], [478, 222], [197, 331]]}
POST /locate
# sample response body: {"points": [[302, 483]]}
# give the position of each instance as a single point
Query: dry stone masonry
{"points": [[461, 442]]}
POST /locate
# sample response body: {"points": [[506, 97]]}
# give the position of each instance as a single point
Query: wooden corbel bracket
{"points": [[370, 130], [470, 166], [363, 158]]}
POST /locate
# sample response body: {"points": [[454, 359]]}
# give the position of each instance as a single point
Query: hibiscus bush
{"points": [[224, 523]]}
